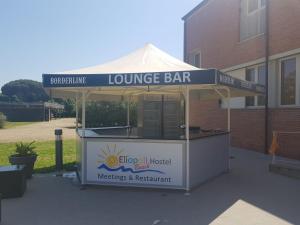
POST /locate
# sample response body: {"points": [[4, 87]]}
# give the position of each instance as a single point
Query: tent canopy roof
{"points": [[145, 70], [144, 60]]}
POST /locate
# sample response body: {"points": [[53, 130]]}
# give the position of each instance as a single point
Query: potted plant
{"points": [[24, 156]]}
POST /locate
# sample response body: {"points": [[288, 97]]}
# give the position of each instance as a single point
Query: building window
{"points": [[256, 74], [288, 82], [195, 59], [250, 76], [252, 5], [252, 18], [261, 79]]}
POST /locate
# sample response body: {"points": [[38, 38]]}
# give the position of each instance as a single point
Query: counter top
{"points": [[194, 136]]}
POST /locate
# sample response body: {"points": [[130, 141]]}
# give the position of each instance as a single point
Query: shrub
{"points": [[2, 120], [24, 149], [107, 114]]}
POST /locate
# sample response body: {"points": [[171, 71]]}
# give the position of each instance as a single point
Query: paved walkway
{"points": [[41, 131], [248, 195]]}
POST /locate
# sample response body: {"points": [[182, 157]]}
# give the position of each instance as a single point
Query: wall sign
{"points": [[135, 163]]}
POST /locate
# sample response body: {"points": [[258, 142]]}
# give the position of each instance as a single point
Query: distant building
{"points": [[29, 111], [230, 35]]}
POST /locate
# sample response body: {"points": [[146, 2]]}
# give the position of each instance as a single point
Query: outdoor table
{"points": [[12, 181]]}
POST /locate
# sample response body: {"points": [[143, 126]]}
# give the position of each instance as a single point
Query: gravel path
{"points": [[41, 131]]}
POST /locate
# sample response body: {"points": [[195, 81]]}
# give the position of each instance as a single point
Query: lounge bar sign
{"points": [[210, 76], [224, 79], [130, 79]]}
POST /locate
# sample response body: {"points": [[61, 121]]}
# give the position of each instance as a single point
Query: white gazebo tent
{"points": [[146, 70]]}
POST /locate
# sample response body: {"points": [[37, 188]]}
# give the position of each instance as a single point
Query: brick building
{"points": [[231, 35]]}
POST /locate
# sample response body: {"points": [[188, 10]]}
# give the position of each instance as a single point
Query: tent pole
{"points": [[82, 139], [128, 114], [228, 105], [228, 110], [83, 113], [229, 122], [187, 135], [76, 110]]}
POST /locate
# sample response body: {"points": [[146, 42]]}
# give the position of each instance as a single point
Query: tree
{"points": [[4, 98], [24, 91]]}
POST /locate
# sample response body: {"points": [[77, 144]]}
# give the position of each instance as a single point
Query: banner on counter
{"points": [[158, 164]]}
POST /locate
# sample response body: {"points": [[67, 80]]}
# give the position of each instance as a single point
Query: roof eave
{"points": [[186, 16]]}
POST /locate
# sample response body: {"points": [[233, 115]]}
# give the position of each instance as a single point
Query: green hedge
{"points": [[106, 114]]}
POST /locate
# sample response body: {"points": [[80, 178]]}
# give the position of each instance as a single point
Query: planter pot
{"points": [[28, 161]]}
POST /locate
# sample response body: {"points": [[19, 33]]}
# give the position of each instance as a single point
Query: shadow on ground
{"points": [[67, 167]]}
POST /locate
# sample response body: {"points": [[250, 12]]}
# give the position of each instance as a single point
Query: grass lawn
{"points": [[46, 155], [16, 124]]}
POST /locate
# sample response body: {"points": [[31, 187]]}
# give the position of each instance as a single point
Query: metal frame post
{"points": [[49, 114], [83, 113], [228, 105], [187, 136], [228, 111], [228, 115], [83, 99], [229, 123], [128, 114], [76, 110]]}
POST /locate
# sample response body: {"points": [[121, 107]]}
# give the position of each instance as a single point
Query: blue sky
{"points": [[40, 36]]}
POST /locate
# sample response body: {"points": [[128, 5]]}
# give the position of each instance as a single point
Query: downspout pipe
{"points": [[267, 52], [185, 59]]}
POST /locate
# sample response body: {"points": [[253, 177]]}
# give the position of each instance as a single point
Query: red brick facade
{"points": [[247, 126], [284, 25], [211, 27], [214, 29]]}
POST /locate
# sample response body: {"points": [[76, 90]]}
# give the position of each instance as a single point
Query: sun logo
{"points": [[110, 156], [112, 161]]}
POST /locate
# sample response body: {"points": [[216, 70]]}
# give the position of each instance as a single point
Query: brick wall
{"points": [[284, 25], [247, 126], [214, 29], [207, 114], [287, 120]]}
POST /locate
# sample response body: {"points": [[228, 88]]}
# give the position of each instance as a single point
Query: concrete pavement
{"points": [[249, 194]]}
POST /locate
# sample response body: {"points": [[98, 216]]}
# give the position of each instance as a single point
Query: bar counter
{"points": [[120, 160]]}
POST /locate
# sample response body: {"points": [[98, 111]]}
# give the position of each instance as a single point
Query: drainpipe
{"points": [[267, 49], [184, 43]]}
